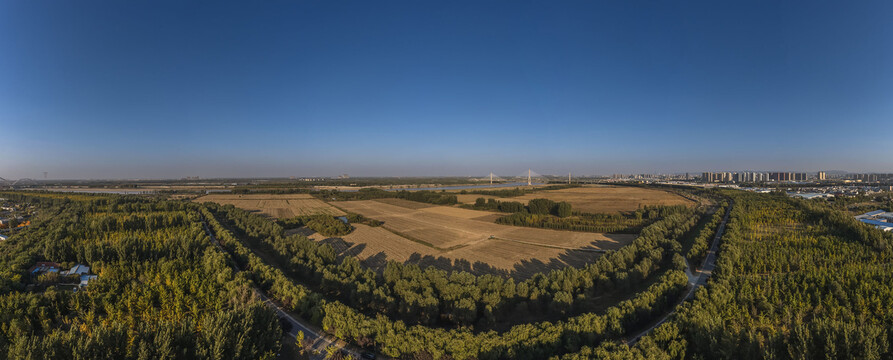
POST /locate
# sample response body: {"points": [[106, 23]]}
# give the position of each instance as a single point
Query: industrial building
{"points": [[879, 218]]}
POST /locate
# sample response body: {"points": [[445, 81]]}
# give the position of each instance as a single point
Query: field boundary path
{"points": [[695, 280], [319, 342]]}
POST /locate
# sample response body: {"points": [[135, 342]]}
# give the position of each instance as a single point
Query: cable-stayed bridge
{"points": [[22, 181], [530, 177]]}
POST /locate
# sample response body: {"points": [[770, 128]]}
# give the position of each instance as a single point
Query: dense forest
{"points": [[162, 291], [795, 279]]}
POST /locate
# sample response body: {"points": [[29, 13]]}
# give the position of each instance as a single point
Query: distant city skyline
{"points": [[170, 89], [501, 177]]}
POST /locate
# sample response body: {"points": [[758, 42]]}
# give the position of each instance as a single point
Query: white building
{"points": [[77, 270]]}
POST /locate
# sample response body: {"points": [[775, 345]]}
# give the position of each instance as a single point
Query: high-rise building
{"points": [[784, 176], [821, 176]]}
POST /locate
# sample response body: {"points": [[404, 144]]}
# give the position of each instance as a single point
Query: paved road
{"points": [[695, 280], [318, 341]]}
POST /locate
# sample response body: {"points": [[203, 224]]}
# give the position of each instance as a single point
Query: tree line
{"points": [[425, 196], [705, 235], [518, 191], [548, 214]]}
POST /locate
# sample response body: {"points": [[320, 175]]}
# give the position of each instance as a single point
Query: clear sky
{"points": [[167, 89]]}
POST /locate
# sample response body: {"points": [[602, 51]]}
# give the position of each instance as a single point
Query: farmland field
{"points": [[598, 198], [277, 206], [441, 235]]}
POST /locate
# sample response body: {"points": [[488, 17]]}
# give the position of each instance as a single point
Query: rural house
{"points": [[77, 270]]}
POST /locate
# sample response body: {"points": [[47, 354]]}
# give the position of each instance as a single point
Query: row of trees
{"points": [[589, 222], [534, 206], [425, 196], [496, 205], [519, 191], [705, 236], [614, 223]]}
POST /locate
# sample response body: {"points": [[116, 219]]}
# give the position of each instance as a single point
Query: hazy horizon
{"points": [[166, 90]]}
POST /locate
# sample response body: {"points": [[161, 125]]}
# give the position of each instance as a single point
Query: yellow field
{"points": [[278, 206], [598, 198], [454, 237]]}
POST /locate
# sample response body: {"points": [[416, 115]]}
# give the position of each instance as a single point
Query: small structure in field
{"points": [[85, 279], [42, 267]]}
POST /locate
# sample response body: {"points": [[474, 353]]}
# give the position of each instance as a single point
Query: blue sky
{"points": [[156, 89]]}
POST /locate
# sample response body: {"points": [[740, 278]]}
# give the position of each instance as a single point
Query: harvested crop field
{"points": [[406, 203], [599, 198], [450, 237], [277, 206]]}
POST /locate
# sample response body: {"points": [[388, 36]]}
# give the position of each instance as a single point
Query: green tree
{"points": [[563, 209], [540, 206]]}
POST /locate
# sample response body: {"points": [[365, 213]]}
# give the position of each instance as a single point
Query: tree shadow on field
{"points": [[303, 231], [354, 250], [338, 244], [377, 261], [524, 269], [450, 265], [577, 258], [614, 242], [343, 248]]}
